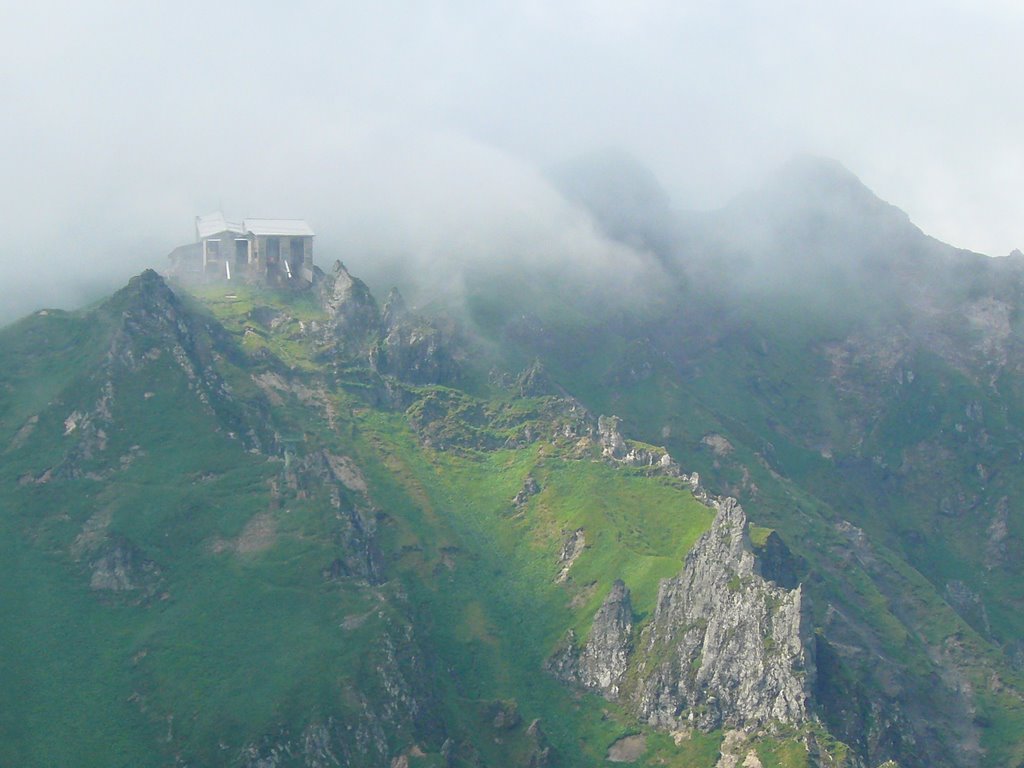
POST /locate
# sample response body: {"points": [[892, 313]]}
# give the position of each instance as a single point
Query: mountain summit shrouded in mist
{"points": [[623, 195], [673, 454]]}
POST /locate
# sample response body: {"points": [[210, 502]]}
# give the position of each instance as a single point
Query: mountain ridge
{"points": [[313, 530]]}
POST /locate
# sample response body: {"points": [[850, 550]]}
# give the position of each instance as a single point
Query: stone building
{"points": [[278, 251]]}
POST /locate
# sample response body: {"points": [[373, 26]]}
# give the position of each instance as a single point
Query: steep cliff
{"points": [[724, 647], [601, 664], [393, 341]]}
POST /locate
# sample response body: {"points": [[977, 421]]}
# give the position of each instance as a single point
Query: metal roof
{"points": [[285, 227], [215, 223]]}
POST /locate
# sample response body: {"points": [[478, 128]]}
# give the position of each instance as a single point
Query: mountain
{"points": [[625, 197], [760, 512]]}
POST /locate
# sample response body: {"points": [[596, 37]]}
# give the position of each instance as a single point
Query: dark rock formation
{"points": [[397, 706], [529, 490], [534, 381], [777, 563], [541, 753]]}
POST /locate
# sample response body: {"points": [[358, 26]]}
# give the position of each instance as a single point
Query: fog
{"points": [[417, 135]]}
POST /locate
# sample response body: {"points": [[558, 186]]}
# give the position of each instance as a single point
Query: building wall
{"points": [[213, 262], [262, 265], [265, 264]]}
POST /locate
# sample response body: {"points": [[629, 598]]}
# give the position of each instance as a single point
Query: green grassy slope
{"points": [[233, 636], [919, 456], [307, 549]]}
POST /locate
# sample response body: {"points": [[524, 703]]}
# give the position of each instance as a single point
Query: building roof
{"points": [[215, 223], [285, 227]]}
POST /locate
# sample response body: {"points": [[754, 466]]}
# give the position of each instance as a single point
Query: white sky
{"points": [[394, 125]]}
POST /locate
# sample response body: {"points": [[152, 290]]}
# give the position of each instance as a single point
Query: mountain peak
{"points": [[146, 290], [821, 184], [622, 194], [814, 207], [818, 169]]}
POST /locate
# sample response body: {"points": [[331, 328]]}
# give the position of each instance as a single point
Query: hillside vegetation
{"points": [[761, 509]]}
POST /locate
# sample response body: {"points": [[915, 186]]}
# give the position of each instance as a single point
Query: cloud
{"points": [[397, 126]]}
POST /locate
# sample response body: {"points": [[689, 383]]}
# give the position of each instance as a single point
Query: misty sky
{"points": [[421, 128]]}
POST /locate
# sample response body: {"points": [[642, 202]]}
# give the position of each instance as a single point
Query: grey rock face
{"points": [[398, 707], [359, 556], [395, 310], [725, 646], [352, 309], [968, 604], [416, 351], [604, 661], [572, 548], [394, 341], [121, 567], [996, 549], [534, 381], [528, 491], [541, 753], [412, 348], [615, 448]]}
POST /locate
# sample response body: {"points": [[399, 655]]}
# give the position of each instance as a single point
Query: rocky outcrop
{"points": [[346, 491], [530, 489], [998, 537], [353, 316], [120, 566], [416, 351], [602, 663], [969, 605], [413, 348], [572, 548], [605, 658], [541, 753], [395, 706], [394, 341], [725, 647], [615, 448], [395, 310], [535, 382]]}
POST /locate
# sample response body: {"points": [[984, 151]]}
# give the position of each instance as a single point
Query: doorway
{"points": [[241, 253]]}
